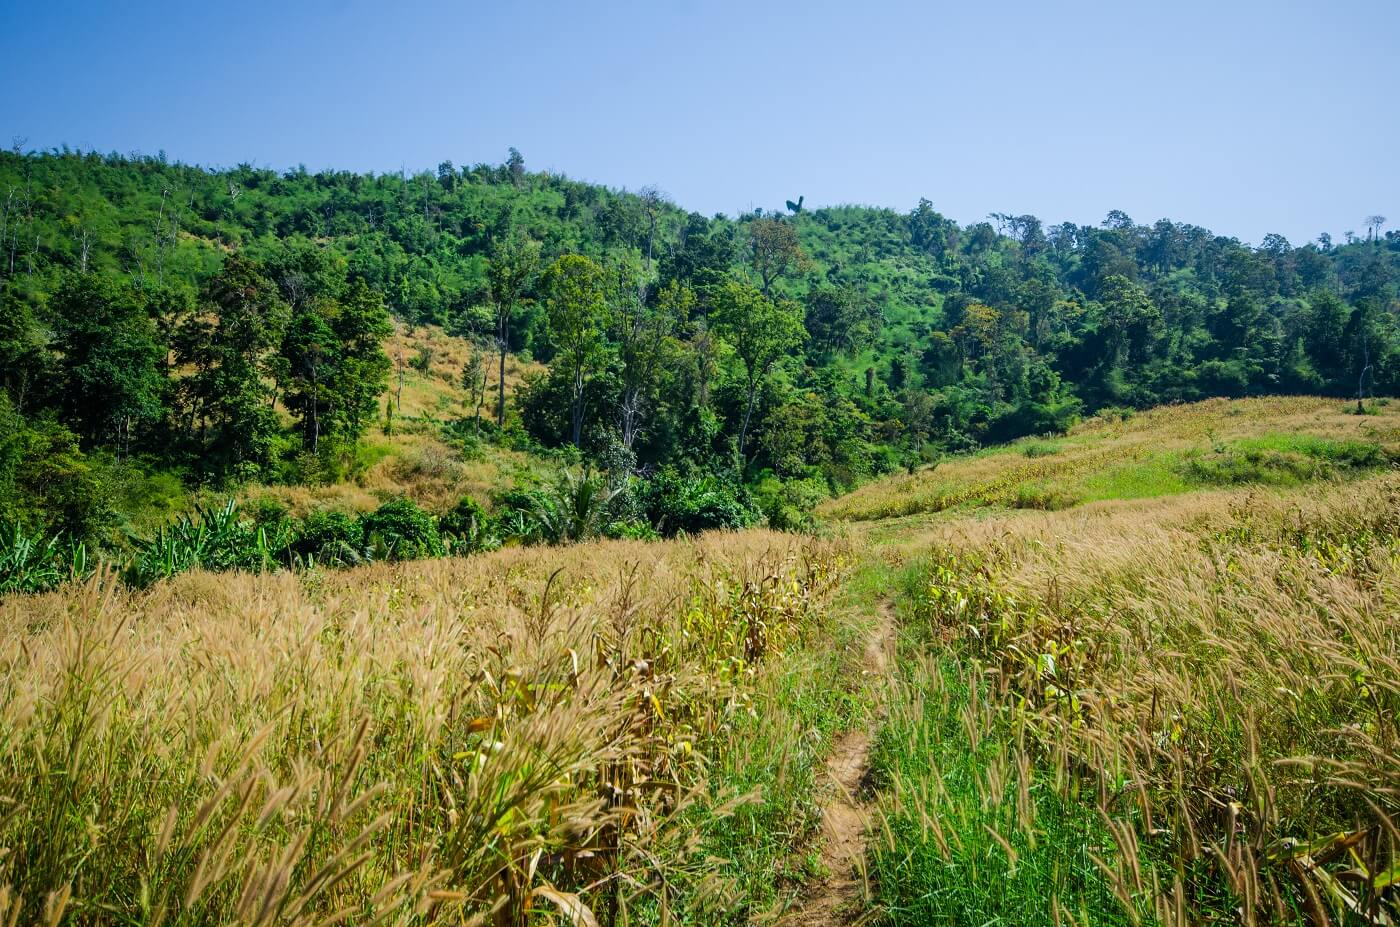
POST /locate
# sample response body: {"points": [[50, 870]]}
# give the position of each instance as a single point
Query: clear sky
{"points": [[1246, 117]]}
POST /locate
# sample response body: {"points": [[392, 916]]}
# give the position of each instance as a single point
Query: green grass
{"points": [[753, 858], [950, 793]]}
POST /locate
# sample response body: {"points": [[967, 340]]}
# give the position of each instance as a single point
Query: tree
{"points": [[644, 333], [515, 167], [474, 377], [577, 315], [335, 363], [231, 343], [774, 250], [515, 260], [108, 360], [841, 318], [761, 331]]}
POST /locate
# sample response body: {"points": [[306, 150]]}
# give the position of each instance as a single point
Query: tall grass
{"points": [[1221, 677], [1270, 441], [523, 737]]}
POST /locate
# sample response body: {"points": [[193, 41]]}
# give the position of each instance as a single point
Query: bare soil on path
{"points": [[838, 897]]}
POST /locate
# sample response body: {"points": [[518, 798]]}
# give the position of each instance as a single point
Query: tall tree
{"points": [[110, 378], [231, 342], [577, 316], [515, 260], [335, 364], [774, 251], [643, 331], [761, 330]]}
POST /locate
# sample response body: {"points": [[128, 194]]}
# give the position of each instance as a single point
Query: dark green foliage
{"points": [[107, 372], [469, 528], [231, 345], [330, 536], [695, 503], [400, 530]]}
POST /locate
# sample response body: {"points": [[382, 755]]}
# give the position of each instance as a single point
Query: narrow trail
{"points": [[837, 898]]}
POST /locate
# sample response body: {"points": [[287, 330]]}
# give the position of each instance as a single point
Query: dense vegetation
{"points": [[161, 322], [1173, 700]]}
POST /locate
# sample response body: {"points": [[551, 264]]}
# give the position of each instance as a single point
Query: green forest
{"points": [[166, 327]]}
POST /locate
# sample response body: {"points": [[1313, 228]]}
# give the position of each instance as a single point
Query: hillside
{"points": [[1164, 451], [149, 310], [1171, 699]]}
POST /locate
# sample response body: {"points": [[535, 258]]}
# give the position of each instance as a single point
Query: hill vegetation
{"points": [[168, 329]]}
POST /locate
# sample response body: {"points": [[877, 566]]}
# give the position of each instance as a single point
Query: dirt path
{"points": [[838, 897]]}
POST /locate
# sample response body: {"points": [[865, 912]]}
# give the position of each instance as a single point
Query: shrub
{"points": [[787, 505], [631, 529], [469, 528], [694, 504], [212, 539], [573, 509], [329, 536], [35, 563], [400, 530]]}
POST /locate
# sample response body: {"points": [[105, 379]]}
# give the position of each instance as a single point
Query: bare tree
{"points": [[1375, 224]]}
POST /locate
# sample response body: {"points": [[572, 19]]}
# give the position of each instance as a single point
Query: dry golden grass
{"points": [[413, 460], [417, 464], [1110, 458], [481, 740], [437, 393]]}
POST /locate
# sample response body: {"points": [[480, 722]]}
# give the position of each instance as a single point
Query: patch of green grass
{"points": [[1282, 460], [1040, 448], [969, 835], [1143, 479], [774, 754]]}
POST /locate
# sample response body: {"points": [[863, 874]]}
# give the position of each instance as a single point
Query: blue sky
{"points": [[1245, 117]]}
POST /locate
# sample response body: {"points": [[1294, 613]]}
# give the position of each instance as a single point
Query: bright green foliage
{"points": [[210, 539], [38, 563], [515, 262], [974, 832], [577, 316], [400, 530], [760, 329]]}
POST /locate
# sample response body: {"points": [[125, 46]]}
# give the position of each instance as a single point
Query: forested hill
{"points": [[820, 345]]}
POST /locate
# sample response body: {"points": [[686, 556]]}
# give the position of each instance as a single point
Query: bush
{"points": [[35, 563], [329, 536], [694, 504], [469, 528], [211, 539], [400, 530], [788, 505], [631, 529]]}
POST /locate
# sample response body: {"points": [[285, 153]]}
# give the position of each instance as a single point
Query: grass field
{"points": [[1170, 697], [1166, 451]]}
